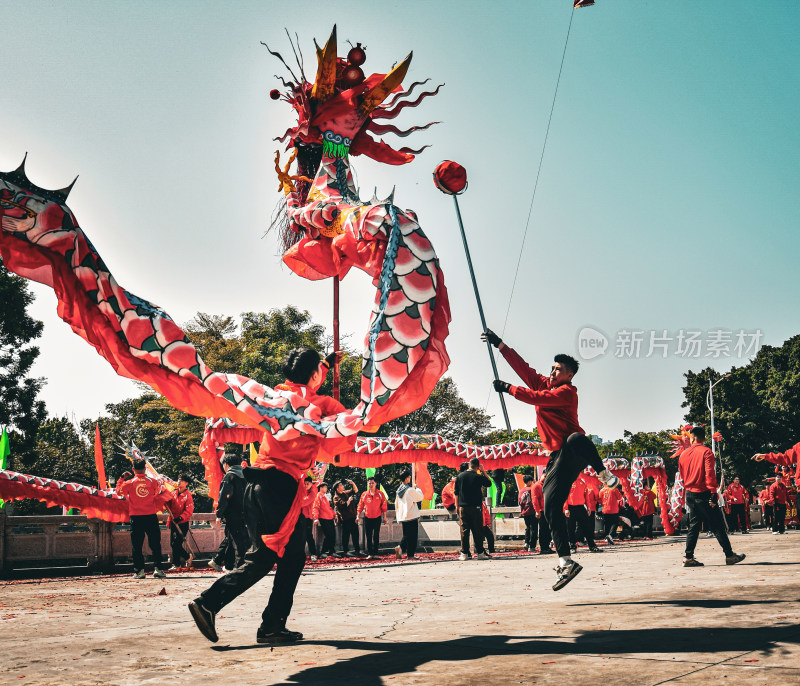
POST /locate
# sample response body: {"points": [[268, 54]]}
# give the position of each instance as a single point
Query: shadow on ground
{"points": [[386, 659], [709, 603]]}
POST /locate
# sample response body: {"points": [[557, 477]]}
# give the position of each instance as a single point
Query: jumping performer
{"points": [[696, 467], [272, 504], [556, 401]]}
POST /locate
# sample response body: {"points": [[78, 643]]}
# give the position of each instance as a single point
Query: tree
{"points": [[20, 409], [756, 408]]}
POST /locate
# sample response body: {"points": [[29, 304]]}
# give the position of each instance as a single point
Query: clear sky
{"points": [[667, 200]]}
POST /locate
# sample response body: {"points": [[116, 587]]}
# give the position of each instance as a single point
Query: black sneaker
{"points": [[566, 574], [204, 619], [595, 550], [734, 559], [691, 562], [280, 637]]}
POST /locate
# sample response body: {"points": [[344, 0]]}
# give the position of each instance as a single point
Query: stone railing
{"points": [[78, 543]]}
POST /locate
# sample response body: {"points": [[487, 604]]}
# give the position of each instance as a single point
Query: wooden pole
{"points": [[336, 336]]}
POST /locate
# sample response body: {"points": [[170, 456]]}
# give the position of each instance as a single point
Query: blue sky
{"points": [[667, 199]]}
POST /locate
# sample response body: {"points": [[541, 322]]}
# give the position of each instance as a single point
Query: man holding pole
{"points": [[556, 401]]}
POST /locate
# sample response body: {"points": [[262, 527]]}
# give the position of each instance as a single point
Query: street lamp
{"points": [[710, 405]]}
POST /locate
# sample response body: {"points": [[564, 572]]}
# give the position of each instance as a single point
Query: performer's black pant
{"points": [[577, 453], [737, 517], [372, 532], [779, 517], [488, 534], [177, 536], [542, 533], [530, 531], [267, 500], [310, 542], [471, 520], [350, 533], [700, 510], [408, 544], [141, 526], [232, 550], [329, 536], [578, 518], [647, 526], [768, 516], [610, 522]]}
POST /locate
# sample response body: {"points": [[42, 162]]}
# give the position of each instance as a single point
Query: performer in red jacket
{"points": [[181, 510], [575, 509], [145, 496], [787, 459], [648, 505], [556, 401], [778, 493], [766, 506], [307, 507], [735, 497], [273, 502], [372, 509], [542, 527], [612, 501], [325, 517], [696, 467]]}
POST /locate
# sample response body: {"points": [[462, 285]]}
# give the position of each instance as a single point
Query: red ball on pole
{"points": [[450, 177]]}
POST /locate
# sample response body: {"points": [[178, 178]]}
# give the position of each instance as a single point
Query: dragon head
{"points": [[342, 109]]}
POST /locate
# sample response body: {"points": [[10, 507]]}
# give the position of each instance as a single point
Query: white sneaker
{"points": [[608, 479], [159, 574], [463, 557], [141, 574], [313, 558], [484, 556], [215, 566]]}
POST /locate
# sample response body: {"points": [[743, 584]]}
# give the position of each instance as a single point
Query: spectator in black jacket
{"points": [[230, 510], [469, 496]]}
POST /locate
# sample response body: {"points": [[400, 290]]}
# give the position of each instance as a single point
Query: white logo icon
{"points": [[591, 343]]}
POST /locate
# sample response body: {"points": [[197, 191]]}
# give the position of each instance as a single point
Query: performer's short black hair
{"points": [[185, 477], [372, 478], [139, 465], [699, 432], [308, 478], [405, 474], [527, 479], [324, 484], [474, 462], [231, 459], [463, 467], [300, 364], [568, 361]]}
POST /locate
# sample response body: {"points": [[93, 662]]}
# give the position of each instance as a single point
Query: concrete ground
{"points": [[633, 616]]}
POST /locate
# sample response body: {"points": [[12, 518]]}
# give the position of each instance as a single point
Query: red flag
{"points": [[98, 458], [520, 482]]}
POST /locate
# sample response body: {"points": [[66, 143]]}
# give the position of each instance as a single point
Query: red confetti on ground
{"points": [[753, 660], [303, 664], [163, 591], [549, 662], [492, 622], [759, 579]]}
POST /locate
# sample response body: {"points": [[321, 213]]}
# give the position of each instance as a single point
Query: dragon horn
{"points": [[376, 95], [326, 69]]}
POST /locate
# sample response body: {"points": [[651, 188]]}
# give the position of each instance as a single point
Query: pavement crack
{"points": [[396, 623]]}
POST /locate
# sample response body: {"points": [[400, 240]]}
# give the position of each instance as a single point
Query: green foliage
{"points": [[20, 408], [756, 408]]}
